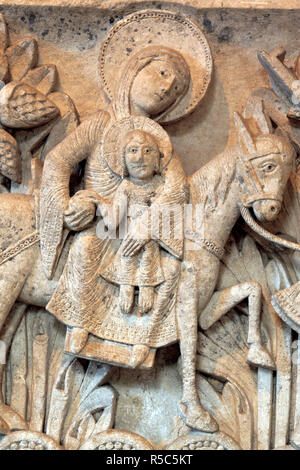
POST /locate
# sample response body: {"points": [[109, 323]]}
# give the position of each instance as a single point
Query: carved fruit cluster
{"points": [[26, 445], [22, 106], [115, 445], [25, 97], [203, 445]]}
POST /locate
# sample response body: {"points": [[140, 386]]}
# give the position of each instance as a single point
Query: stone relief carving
{"points": [[106, 285]]}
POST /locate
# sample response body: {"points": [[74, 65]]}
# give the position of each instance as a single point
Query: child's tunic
{"points": [[144, 268]]}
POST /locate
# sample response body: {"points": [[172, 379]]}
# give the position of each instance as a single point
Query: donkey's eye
{"points": [[268, 167]]}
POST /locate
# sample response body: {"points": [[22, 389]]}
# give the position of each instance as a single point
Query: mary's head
{"points": [[153, 82]]}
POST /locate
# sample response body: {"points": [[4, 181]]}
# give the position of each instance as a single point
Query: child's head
{"points": [[137, 147], [140, 155]]}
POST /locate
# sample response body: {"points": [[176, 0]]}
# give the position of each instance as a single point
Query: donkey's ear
{"points": [[245, 140], [258, 122]]}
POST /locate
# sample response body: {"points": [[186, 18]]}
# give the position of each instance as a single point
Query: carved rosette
{"points": [[28, 440], [118, 440], [203, 441]]}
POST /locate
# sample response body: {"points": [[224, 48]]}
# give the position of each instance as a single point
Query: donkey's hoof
{"points": [[139, 354], [196, 417], [258, 356], [78, 340]]}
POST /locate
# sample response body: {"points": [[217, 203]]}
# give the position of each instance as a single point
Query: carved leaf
{"points": [[3, 46], [65, 389], [297, 67], [22, 106], [42, 78], [65, 125], [96, 375], [231, 411], [3, 34], [22, 56], [85, 423], [63, 102], [4, 72], [234, 262], [54, 391], [223, 358], [222, 353], [10, 160], [93, 408], [4, 428], [10, 419], [17, 390]]}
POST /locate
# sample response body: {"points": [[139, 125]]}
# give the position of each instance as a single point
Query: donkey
{"points": [[251, 175], [245, 180]]}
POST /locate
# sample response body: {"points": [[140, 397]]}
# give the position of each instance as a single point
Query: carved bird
{"points": [[10, 160], [23, 107]]}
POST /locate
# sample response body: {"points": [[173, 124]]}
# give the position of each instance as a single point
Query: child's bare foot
{"points": [[78, 339], [126, 298], [146, 299]]}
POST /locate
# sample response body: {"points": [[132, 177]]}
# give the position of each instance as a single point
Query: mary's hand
{"points": [[135, 239], [80, 213]]}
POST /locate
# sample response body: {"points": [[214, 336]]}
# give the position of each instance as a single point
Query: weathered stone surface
{"points": [[70, 58]]}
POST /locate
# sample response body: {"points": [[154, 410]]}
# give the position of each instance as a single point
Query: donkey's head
{"points": [[264, 165]]}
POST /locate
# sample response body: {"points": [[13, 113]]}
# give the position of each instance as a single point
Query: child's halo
{"points": [[114, 135]]}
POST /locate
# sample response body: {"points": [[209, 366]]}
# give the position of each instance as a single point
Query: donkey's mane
{"points": [[210, 185]]}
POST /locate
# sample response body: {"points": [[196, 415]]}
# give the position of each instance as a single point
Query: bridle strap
{"points": [[249, 199], [253, 185], [265, 234], [251, 180]]}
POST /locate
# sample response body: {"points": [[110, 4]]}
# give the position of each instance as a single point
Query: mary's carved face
{"points": [[156, 87]]}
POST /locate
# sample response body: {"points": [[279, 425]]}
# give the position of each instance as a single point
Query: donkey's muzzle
{"points": [[266, 210]]}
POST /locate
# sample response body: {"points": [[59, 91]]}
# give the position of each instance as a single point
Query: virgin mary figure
{"points": [[161, 73]]}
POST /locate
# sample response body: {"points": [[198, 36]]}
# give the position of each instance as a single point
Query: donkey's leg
{"points": [[9, 292], [258, 354], [7, 335], [222, 302], [10, 419], [13, 275], [187, 316]]}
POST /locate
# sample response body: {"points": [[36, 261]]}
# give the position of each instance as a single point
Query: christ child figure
{"points": [[140, 157]]}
